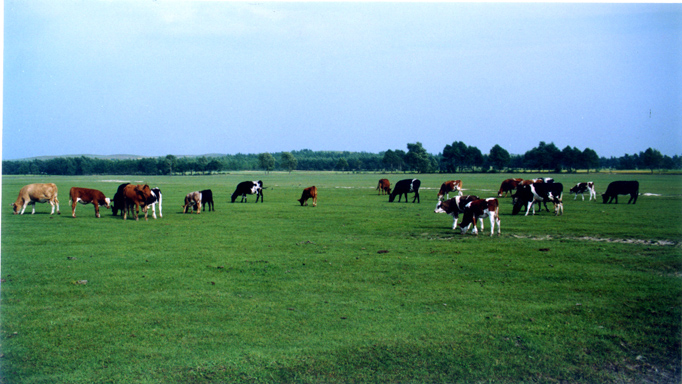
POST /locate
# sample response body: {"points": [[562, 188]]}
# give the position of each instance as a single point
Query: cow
{"points": [[403, 187], [36, 193], [508, 185], [87, 196], [621, 188], [249, 188], [581, 188], [454, 206], [541, 192], [478, 210], [192, 199], [207, 199], [450, 186], [384, 187], [156, 197], [310, 192], [136, 195], [118, 200]]}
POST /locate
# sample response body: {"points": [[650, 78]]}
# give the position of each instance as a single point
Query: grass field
{"points": [[354, 290]]}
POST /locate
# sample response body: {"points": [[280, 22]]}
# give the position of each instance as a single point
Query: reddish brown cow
{"points": [[384, 187], [310, 192], [450, 186], [36, 193], [87, 196], [478, 210], [508, 186], [136, 195]]}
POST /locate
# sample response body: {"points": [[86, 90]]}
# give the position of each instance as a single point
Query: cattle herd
{"points": [[129, 198]]}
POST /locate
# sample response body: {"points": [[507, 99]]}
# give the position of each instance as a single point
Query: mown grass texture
{"points": [[354, 290]]}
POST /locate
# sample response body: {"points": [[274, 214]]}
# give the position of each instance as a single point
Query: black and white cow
{"points": [[478, 210], [155, 198], [621, 188], [249, 188], [528, 195], [454, 206], [207, 200], [581, 188], [403, 187]]}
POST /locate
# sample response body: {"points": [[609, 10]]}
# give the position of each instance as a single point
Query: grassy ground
{"points": [[354, 290]]}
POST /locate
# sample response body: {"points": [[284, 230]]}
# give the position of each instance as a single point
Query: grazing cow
{"points": [[621, 188], [403, 187], [454, 206], [508, 186], [249, 188], [310, 192], [136, 195], [118, 200], [384, 187], [531, 181], [87, 196], [155, 198], [36, 193], [478, 210], [581, 188], [528, 195], [207, 199], [449, 186], [192, 199]]}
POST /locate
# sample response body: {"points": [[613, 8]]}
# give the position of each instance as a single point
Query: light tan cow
{"points": [[36, 193], [192, 199]]}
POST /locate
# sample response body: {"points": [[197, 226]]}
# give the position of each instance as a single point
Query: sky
{"points": [[153, 78]]}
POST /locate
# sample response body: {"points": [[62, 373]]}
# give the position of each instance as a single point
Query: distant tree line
{"points": [[455, 158]]}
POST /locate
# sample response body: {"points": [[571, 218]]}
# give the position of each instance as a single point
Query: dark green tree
{"points": [[288, 161], [651, 159], [417, 158], [266, 162], [498, 157]]}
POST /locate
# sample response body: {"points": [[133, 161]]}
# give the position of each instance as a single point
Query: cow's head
{"points": [[15, 208], [107, 202], [439, 207], [604, 197]]}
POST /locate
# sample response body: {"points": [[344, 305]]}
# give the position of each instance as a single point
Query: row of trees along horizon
{"points": [[455, 158]]}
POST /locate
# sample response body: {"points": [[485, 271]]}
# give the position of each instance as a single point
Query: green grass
{"points": [[354, 290]]}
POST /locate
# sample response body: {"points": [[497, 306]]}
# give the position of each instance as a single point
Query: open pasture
{"points": [[354, 290]]}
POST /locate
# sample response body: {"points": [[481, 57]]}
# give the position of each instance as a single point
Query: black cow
{"points": [[454, 206], [528, 195], [403, 187], [118, 200], [207, 200], [249, 188], [621, 188]]}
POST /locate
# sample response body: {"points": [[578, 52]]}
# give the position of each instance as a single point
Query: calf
{"points": [[249, 188], [403, 187], [528, 195], [87, 196], [192, 199], [136, 196], [454, 206], [207, 199], [384, 187], [155, 198], [479, 210], [581, 188], [450, 186], [621, 188], [310, 192], [508, 185], [36, 193]]}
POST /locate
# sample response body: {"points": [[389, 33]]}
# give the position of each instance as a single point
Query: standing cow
{"points": [[192, 199], [450, 186], [248, 188], [134, 197], [528, 195], [36, 193], [508, 185], [454, 206], [581, 188], [384, 187], [621, 188], [478, 210], [310, 192], [403, 187], [87, 196], [207, 200]]}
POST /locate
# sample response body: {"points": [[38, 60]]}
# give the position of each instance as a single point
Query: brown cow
{"points": [[87, 196], [136, 195], [308, 193], [508, 186], [479, 210], [36, 193], [192, 199], [449, 186], [384, 187]]}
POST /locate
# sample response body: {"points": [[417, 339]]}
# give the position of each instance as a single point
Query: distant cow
{"points": [[454, 206], [249, 188], [310, 192], [581, 188], [207, 199], [87, 196], [508, 185], [450, 186], [621, 188], [540, 192], [155, 198], [36, 193], [403, 187], [384, 187], [478, 210], [192, 199], [134, 197]]}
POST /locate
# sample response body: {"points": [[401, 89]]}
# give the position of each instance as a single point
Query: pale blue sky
{"points": [[189, 78]]}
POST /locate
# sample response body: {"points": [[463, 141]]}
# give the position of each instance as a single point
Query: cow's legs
{"points": [[416, 197], [96, 208], [33, 207], [454, 222], [73, 208]]}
